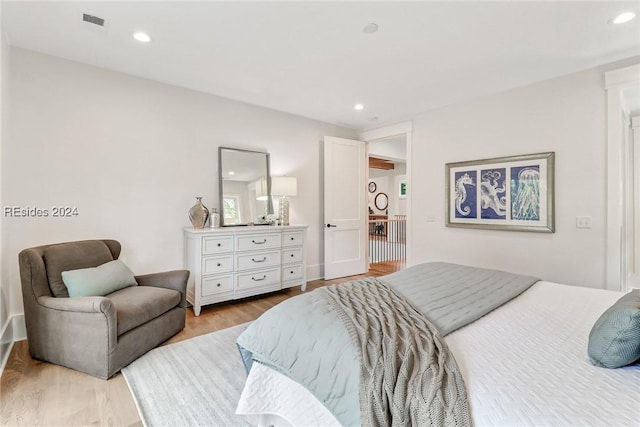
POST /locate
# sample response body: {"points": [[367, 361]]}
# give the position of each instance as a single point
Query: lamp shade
{"points": [[284, 186]]}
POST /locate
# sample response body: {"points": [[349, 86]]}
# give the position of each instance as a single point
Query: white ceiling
{"points": [[312, 58]]}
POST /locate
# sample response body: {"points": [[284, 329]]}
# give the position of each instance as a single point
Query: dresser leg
{"points": [[303, 287], [196, 310]]}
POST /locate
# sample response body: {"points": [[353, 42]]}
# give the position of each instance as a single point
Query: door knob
{"points": [[331, 225]]}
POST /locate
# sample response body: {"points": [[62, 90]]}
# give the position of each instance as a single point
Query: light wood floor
{"points": [[34, 393]]}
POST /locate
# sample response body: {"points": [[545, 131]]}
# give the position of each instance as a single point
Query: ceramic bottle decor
{"points": [[198, 214]]}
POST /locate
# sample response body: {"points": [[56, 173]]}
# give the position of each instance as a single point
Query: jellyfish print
{"points": [[493, 194], [525, 193]]}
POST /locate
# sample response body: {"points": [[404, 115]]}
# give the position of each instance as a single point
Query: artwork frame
{"points": [[514, 193], [402, 189]]}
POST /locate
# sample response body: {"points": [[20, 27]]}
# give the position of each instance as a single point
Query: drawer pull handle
{"points": [[293, 238], [259, 260], [292, 255], [257, 280], [218, 285], [291, 272], [219, 244], [259, 243], [219, 264]]}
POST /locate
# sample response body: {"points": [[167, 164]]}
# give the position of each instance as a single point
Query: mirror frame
{"points": [[220, 184], [379, 204]]}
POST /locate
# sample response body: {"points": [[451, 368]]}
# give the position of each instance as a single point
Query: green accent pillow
{"points": [[98, 281], [614, 340]]}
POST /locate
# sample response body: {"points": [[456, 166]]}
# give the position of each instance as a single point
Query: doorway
{"points": [[389, 197], [623, 99], [387, 201]]}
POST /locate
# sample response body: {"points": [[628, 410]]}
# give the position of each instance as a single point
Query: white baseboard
{"points": [[19, 327], [6, 344], [13, 330]]}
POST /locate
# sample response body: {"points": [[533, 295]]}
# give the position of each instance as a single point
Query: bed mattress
{"points": [[524, 364]]}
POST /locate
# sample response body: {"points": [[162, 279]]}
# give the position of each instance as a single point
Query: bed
{"points": [[524, 363]]}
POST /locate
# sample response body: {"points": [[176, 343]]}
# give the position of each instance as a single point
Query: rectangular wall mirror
{"points": [[245, 187]]}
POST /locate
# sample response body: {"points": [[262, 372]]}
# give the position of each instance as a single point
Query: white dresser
{"points": [[236, 262]]}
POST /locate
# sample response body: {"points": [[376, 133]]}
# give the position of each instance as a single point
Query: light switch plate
{"points": [[583, 222]]}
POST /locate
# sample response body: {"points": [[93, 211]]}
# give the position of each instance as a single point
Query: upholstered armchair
{"points": [[98, 335]]}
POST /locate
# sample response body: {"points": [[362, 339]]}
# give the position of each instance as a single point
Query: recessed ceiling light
{"points": [[358, 107], [142, 37], [370, 28], [623, 17]]}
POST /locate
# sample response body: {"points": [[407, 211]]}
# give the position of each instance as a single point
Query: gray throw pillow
{"points": [[98, 281], [614, 340]]}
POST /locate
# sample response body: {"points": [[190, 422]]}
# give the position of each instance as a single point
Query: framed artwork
{"points": [[402, 189], [505, 193], [372, 187]]}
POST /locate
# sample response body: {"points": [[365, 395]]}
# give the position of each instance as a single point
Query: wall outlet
{"points": [[583, 222]]}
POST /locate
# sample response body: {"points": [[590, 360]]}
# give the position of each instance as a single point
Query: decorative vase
{"points": [[198, 214], [214, 218]]}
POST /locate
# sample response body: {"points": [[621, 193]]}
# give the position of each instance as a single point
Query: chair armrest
{"points": [[89, 320], [79, 304], [176, 279]]}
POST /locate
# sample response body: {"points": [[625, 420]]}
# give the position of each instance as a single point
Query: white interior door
{"points": [[345, 208]]}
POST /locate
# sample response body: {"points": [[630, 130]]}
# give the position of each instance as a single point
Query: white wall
{"points": [[566, 115], [387, 181], [397, 203], [131, 154], [6, 333], [394, 148], [382, 186]]}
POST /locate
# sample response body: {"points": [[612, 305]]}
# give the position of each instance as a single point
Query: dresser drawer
{"points": [[292, 272], [217, 264], [293, 238], [291, 256], [217, 245], [258, 242], [216, 285], [257, 260], [257, 278]]}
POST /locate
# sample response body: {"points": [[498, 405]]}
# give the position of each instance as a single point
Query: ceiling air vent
{"points": [[93, 19]]}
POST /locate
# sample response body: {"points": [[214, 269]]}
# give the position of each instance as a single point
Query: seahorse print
{"points": [[464, 210]]}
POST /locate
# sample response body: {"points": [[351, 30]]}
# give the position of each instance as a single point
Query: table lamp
{"points": [[284, 186]]}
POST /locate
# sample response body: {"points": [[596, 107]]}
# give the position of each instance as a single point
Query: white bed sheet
{"points": [[270, 398], [524, 364]]}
